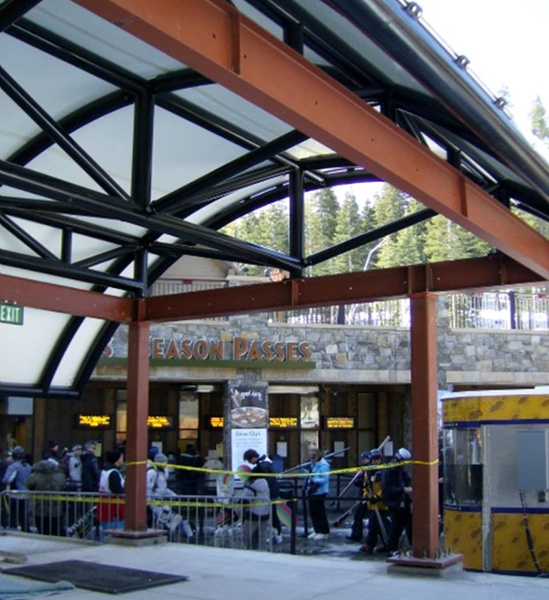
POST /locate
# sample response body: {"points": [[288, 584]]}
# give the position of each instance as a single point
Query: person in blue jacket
{"points": [[317, 486]]}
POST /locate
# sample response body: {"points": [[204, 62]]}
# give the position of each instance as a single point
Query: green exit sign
{"points": [[11, 313]]}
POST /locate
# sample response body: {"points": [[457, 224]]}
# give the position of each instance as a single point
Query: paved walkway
{"points": [[220, 574]]}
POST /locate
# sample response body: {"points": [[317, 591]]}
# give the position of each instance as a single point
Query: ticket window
{"points": [[189, 420], [309, 419], [463, 469]]}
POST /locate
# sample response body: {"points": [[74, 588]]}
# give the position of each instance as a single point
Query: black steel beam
{"points": [[79, 118], [18, 232], [66, 271], [143, 134], [112, 208], [296, 217], [183, 197], [12, 10], [52, 128], [371, 236], [80, 226], [108, 255]]}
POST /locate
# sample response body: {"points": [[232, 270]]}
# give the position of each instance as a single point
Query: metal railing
{"points": [[164, 287], [202, 520], [500, 310], [217, 521], [486, 310]]}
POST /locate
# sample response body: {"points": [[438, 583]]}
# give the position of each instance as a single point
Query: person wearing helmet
{"points": [[396, 487], [378, 520], [357, 529], [15, 478]]}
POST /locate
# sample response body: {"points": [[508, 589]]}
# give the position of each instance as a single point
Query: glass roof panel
{"points": [[71, 362], [49, 237], [234, 198], [184, 151], [61, 87], [257, 16], [309, 149], [82, 27], [225, 104], [30, 345]]}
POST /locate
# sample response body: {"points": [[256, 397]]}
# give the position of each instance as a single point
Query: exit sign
{"points": [[11, 313]]}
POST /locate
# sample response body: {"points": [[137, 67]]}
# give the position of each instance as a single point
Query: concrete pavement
{"points": [[223, 574]]}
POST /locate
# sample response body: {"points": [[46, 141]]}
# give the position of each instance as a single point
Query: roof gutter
{"points": [[398, 32]]}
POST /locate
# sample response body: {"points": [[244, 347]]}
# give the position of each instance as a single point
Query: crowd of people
{"points": [[382, 511], [58, 470]]}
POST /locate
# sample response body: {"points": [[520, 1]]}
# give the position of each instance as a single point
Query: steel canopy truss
{"points": [[225, 46], [374, 128]]}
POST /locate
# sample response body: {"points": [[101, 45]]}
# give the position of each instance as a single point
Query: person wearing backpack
{"points": [[157, 489], [257, 509], [263, 464]]}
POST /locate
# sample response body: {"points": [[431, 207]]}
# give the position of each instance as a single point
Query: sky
{"points": [[507, 43]]}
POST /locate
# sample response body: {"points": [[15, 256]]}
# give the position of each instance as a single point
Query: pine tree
{"points": [[444, 240], [539, 121], [348, 226], [323, 221], [390, 205], [409, 242]]}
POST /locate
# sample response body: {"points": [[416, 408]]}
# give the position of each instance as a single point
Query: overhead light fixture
{"points": [[304, 390], [188, 387]]}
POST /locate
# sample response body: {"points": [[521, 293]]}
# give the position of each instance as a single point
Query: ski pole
{"points": [[340, 519], [326, 456], [342, 493]]}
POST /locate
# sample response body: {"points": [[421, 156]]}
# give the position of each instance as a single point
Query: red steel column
{"points": [[137, 433], [423, 343]]}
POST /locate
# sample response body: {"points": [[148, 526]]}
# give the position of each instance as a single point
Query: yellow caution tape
{"points": [[390, 465]]}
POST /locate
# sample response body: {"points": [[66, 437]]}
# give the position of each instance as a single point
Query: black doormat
{"points": [[95, 576]]}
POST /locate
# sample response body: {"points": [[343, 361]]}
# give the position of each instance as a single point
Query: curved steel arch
{"points": [[73, 210]]}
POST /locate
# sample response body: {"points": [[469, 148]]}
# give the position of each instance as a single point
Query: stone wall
{"points": [[365, 355]]}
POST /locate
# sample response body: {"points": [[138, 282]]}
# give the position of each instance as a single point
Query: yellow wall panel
{"points": [[463, 535], [510, 551], [506, 407]]}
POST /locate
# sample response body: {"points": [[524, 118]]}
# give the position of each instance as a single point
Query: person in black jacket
{"points": [[396, 485], [188, 478], [90, 468]]}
